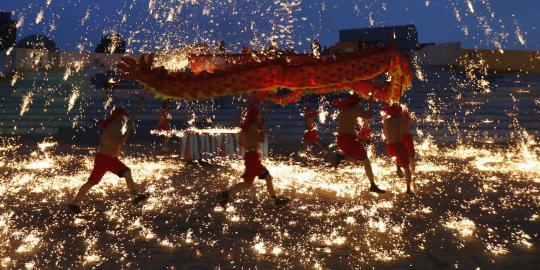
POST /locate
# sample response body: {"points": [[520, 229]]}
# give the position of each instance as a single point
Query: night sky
{"points": [[78, 24]]}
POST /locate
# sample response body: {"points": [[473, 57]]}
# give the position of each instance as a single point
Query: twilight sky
{"points": [[164, 24]]}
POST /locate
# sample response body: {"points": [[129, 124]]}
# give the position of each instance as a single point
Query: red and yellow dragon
{"points": [[215, 75]]}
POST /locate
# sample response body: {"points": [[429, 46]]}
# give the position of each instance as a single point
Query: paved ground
{"points": [[474, 209]]}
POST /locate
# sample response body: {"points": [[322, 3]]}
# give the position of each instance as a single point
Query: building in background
{"points": [[405, 36], [80, 87], [36, 52]]}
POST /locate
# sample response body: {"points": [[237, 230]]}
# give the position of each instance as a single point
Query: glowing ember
{"points": [[464, 226]]}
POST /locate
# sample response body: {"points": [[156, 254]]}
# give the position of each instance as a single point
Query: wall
{"points": [[26, 59], [509, 61], [439, 54]]}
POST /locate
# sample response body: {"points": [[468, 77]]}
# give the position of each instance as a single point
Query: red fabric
{"points": [[399, 151], [343, 103], [351, 147], [163, 121], [311, 136], [254, 167], [365, 132], [105, 163], [408, 142], [252, 116], [308, 113], [392, 110], [230, 74], [163, 127], [116, 112]]}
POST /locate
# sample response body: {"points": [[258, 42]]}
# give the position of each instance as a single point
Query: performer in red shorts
{"points": [[408, 139], [251, 137], [115, 131], [396, 128], [310, 136], [347, 140]]}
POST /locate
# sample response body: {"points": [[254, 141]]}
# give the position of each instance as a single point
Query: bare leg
{"points": [[412, 165], [369, 174], [130, 184], [408, 179], [270, 186], [239, 187], [399, 172], [369, 171], [278, 200], [226, 195], [82, 192]]}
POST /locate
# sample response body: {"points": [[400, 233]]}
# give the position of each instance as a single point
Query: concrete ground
{"points": [[474, 208]]}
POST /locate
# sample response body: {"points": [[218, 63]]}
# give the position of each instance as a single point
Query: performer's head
{"points": [[310, 116], [308, 113], [392, 110], [252, 114], [252, 117], [166, 105], [117, 115], [353, 100]]}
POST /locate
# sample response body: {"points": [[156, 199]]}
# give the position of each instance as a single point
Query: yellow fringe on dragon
{"points": [[211, 76]]}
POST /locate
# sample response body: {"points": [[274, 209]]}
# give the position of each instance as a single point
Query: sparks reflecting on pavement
{"points": [[465, 196]]}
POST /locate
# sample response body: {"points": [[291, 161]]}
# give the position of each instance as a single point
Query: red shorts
{"points": [[365, 133], [106, 163], [399, 151], [407, 140], [254, 167], [351, 147], [164, 127], [311, 136]]}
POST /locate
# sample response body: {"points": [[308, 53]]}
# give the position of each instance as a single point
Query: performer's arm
{"points": [[242, 139], [125, 133]]}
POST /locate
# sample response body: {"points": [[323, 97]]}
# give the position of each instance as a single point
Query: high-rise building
{"points": [[8, 31]]}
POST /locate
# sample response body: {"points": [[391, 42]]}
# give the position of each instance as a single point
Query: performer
{"points": [[397, 136], [163, 125], [347, 139], [115, 132], [251, 137], [408, 140], [310, 136]]}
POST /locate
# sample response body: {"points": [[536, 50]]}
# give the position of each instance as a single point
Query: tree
{"points": [[112, 43]]}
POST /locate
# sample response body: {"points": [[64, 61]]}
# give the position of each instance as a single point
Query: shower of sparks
{"points": [[39, 17], [470, 5], [465, 196], [484, 199], [26, 101], [73, 98], [520, 37]]}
